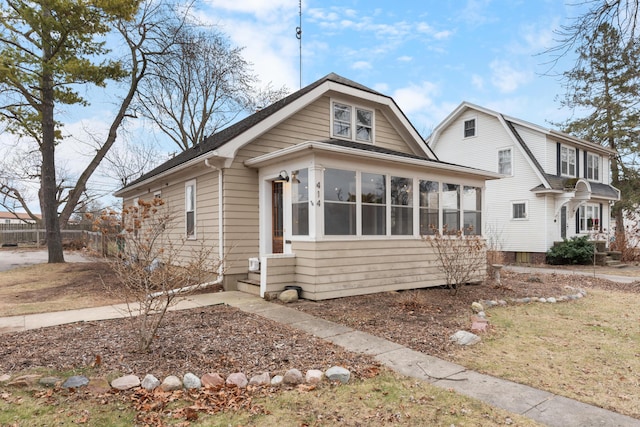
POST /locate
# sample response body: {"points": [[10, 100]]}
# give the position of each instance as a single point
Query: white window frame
{"points": [[584, 217], [593, 167], [187, 209], [501, 150], [565, 159], [353, 122], [475, 127], [526, 210]]}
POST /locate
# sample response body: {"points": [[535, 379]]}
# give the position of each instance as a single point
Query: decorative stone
{"points": [[238, 379], [290, 295], [276, 381], [190, 381], [552, 300], [49, 381], [465, 338], [502, 302], [338, 373], [171, 383], [126, 382], [4, 378], [150, 383], [262, 379], [482, 314], [479, 324], [212, 380], [313, 376], [477, 307], [542, 300], [293, 376], [98, 386], [76, 381]]}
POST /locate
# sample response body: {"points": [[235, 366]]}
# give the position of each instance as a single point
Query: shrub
{"points": [[577, 250]]}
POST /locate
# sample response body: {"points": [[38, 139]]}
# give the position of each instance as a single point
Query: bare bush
{"points": [[154, 269], [462, 256]]}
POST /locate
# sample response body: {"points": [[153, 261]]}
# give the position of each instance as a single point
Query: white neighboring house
{"points": [[16, 218], [554, 185]]}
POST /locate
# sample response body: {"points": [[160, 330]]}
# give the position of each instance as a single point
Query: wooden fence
{"points": [[30, 235]]}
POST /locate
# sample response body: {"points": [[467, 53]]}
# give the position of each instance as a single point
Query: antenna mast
{"points": [[299, 37]]}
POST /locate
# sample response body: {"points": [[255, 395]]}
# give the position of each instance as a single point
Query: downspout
{"points": [[220, 277]]}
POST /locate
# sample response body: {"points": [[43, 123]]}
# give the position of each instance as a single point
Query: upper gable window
{"points": [[469, 128], [352, 122], [504, 161], [568, 161], [593, 167]]}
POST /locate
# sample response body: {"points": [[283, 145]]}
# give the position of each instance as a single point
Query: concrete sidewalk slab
{"points": [[561, 411], [362, 342], [321, 328], [419, 365]]}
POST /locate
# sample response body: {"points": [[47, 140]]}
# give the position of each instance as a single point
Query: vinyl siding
{"points": [[333, 269]]}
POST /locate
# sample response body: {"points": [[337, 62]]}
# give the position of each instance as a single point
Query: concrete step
{"points": [[255, 276], [249, 286]]}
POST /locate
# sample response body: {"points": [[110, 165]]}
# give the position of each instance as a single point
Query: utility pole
{"points": [[299, 37]]}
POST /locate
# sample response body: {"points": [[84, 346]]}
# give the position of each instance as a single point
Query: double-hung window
{"points": [[300, 202], [504, 161], [567, 161], [589, 218], [374, 204], [519, 210], [450, 207], [401, 206], [339, 202], [469, 128], [593, 167], [353, 123], [429, 207], [472, 210], [190, 209]]}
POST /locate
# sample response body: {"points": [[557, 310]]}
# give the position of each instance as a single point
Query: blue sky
{"points": [[428, 55]]}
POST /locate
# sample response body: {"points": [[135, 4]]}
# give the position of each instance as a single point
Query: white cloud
{"points": [[405, 58], [416, 97], [506, 78], [361, 65], [477, 81], [258, 8]]}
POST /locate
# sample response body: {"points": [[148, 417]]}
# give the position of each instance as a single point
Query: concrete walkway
{"points": [[542, 406]]}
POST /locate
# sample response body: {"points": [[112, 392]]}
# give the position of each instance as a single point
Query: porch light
{"points": [[284, 176]]}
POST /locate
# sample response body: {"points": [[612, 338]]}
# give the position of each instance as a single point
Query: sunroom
{"points": [[342, 218]]}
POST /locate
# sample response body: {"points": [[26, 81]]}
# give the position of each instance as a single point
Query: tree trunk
{"points": [[47, 149]]}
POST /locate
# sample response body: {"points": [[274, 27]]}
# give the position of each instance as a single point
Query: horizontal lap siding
{"points": [[280, 272], [335, 269]]}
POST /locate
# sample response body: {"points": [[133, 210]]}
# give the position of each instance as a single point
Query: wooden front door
{"points": [[277, 220]]}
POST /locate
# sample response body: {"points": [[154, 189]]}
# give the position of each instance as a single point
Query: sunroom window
{"points": [[339, 202], [451, 207], [429, 207], [401, 206], [300, 202], [472, 210], [374, 205]]}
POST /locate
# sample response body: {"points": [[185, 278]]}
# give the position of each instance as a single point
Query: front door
{"points": [[276, 217], [563, 222]]}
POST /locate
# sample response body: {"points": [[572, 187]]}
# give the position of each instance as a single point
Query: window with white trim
{"points": [[346, 118], [374, 204], [519, 210], [589, 218], [472, 210], [429, 207], [300, 202], [504, 161], [567, 161], [401, 206], [450, 207], [593, 167], [469, 128], [339, 202], [190, 209]]}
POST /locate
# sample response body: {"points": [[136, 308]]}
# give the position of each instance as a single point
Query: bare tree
{"points": [[462, 257], [201, 86], [153, 270], [128, 161]]}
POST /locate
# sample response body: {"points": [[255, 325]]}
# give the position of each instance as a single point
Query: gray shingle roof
{"points": [[218, 139]]}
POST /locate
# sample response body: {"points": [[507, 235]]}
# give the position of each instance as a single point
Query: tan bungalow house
{"points": [[329, 189]]}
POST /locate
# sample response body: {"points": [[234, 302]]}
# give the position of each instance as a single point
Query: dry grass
{"points": [[43, 288], [585, 350]]}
